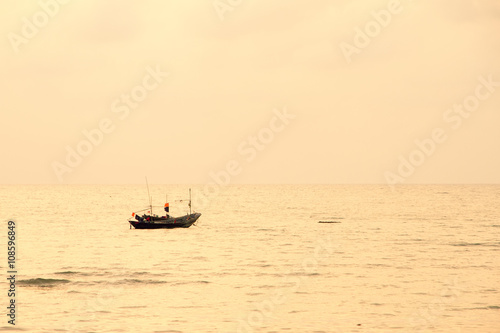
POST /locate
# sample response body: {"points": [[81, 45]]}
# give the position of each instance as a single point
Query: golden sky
{"points": [[266, 91]]}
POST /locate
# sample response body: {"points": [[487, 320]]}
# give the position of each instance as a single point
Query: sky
{"points": [[240, 91]]}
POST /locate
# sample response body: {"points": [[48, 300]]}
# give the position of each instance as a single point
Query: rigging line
{"points": [[149, 196]]}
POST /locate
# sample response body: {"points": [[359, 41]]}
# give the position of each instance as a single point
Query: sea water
{"points": [[416, 258]]}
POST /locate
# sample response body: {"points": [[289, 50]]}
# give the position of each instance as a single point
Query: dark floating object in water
{"points": [[329, 222]]}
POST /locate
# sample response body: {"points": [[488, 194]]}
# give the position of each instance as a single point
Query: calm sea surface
{"points": [[417, 259]]}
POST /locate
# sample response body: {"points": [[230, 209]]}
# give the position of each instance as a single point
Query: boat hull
{"points": [[166, 223]]}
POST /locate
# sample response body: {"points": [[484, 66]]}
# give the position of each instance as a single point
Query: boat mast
{"points": [[189, 201], [150, 199]]}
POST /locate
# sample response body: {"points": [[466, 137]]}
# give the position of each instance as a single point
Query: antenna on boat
{"points": [[150, 199], [189, 201]]}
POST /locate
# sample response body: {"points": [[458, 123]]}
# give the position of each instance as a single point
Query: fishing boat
{"points": [[163, 222], [149, 220]]}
